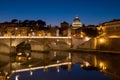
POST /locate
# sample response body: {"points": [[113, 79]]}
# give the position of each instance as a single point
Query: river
{"points": [[65, 65]]}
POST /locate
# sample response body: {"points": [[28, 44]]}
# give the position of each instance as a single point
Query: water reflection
{"points": [[27, 65]]}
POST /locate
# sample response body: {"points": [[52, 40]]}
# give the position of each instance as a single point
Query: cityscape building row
{"points": [[76, 29], [15, 29]]}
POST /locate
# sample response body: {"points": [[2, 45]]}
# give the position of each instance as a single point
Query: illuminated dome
{"points": [[76, 23]]}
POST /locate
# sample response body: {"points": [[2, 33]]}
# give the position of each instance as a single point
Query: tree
{"points": [[90, 30], [40, 24], [14, 21]]}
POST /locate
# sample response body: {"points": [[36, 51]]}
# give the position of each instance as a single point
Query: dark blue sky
{"points": [[56, 11]]}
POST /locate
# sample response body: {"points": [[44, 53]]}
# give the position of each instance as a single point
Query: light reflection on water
{"points": [[79, 66]]}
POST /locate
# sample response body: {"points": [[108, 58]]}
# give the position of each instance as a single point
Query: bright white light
{"points": [[58, 61], [19, 53], [31, 73], [30, 65], [58, 70], [16, 77], [87, 38], [87, 64], [16, 28]]}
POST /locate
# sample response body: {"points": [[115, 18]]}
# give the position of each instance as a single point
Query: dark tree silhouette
{"points": [[90, 30], [40, 24], [14, 21], [25, 23]]}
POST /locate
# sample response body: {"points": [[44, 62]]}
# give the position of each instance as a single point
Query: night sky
{"points": [[56, 11]]}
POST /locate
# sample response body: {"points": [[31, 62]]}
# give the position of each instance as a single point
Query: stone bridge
{"points": [[37, 43]]}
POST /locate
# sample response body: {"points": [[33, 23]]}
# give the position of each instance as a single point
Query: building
{"points": [[76, 27], [76, 24], [110, 29], [109, 35], [64, 27]]}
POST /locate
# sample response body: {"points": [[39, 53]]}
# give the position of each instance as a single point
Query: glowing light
{"points": [[81, 36], [102, 66], [87, 64], [87, 38], [31, 73], [16, 28], [55, 53], [29, 40], [58, 70], [19, 63], [57, 40], [82, 65], [8, 77], [69, 44], [29, 58], [33, 33], [19, 58], [114, 36], [69, 56], [16, 77], [101, 40], [19, 53], [30, 65], [58, 61]]}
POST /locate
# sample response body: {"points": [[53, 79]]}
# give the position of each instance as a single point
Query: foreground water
{"points": [[61, 65]]}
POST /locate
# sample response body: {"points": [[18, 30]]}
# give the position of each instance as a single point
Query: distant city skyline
{"points": [[56, 11]]}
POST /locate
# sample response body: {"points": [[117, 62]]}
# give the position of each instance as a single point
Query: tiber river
{"points": [[64, 65]]}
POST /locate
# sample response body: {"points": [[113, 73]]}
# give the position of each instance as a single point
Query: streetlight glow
{"points": [[102, 40]]}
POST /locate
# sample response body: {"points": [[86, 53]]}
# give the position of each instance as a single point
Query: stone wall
{"points": [[83, 43], [112, 44]]}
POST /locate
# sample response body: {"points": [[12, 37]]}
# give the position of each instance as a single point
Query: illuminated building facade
{"points": [[76, 23], [76, 27], [110, 29], [109, 35], [17, 31]]}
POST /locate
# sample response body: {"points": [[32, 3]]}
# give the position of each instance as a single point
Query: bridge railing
{"points": [[33, 37]]}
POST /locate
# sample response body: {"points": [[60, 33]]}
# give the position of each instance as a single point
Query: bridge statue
{"points": [[57, 32], [69, 32]]}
